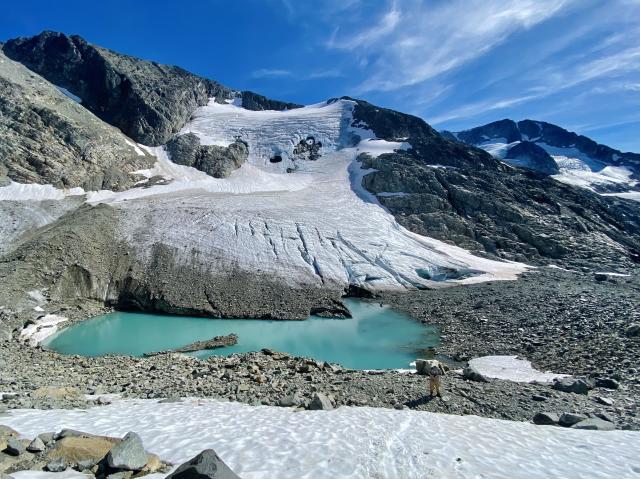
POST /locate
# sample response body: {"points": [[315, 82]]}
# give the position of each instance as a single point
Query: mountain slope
{"points": [[338, 195], [571, 158], [47, 138]]}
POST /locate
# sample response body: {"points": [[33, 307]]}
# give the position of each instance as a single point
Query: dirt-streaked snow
{"points": [[511, 368], [269, 442]]}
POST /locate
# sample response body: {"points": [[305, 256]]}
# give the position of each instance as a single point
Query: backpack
{"points": [[435, 371]]}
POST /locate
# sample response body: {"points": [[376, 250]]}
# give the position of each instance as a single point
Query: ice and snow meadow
{"points": [[267, 442]]}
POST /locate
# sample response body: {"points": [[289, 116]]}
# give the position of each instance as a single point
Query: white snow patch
{"points": [[267, 442], [68, 94], [619, 275], [512, 368], [497, 147], [41, 329], [35, 192], [135, 146]]}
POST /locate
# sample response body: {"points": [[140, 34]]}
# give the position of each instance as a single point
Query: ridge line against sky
{"points": [[456, 63]]}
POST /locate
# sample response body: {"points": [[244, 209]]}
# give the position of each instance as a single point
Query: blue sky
{"points": [[456, 63]]}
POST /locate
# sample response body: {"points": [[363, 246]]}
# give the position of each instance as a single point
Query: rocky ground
{"points": [[564, 322]]}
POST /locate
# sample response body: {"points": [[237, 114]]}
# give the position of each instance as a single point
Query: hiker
{"points": [[435, 371]]}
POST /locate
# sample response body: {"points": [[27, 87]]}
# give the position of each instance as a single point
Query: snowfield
{"points": [[512, 368], [270, 442]]}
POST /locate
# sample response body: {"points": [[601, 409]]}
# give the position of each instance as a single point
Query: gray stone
{"points": [[37, 445], [608, 383], [572, 385], [47, 437], [57, 465], [633, 330], [216, 161], [206, 465], [320, 402], [472, 374], [128, 454], [594, 424], [568, 419], [14, 447], [546, 419], [291, 400], [5, 333], [600, 277]]}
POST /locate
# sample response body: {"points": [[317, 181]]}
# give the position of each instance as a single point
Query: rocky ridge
{"points": [[47, 138]]}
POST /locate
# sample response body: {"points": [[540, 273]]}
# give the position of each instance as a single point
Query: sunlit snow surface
{"points": [[316, 225], [511, 368], [270, 442]]}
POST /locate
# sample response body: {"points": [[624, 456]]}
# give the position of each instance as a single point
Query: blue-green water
{"points": [[375, 338]]}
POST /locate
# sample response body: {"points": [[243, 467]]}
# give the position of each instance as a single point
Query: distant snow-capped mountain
{"points": [[570, 158]]}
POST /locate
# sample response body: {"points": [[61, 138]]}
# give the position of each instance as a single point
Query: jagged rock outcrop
{"points": [[148, 101], [530, 155], [462, 195], [255, 102], [214, 160], [47, 138], [213, 343]]}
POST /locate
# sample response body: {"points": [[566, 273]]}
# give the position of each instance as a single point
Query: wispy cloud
{"points": [[421, 40], [330, 73], [270, 73]]}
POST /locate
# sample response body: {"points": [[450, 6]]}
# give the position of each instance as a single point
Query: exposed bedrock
{"points": [[216, 161], [47, 138], [516, 214], [254, 101], [79, 258], [148, 101]]}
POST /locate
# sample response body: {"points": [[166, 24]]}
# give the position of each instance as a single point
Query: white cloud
{"points": [[421, 40]]}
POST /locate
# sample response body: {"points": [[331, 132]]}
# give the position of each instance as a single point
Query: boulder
{"points": [[600, 276], [472, 374], [546, 419], [320, 402], [206, 465], [76, 449], [57, 393], [291, 400], [594, 424], [129, 454], [568, 419], [608, 383], [572, 385], [14, 447], [37, 445], [633, 330], [5, 334], [56, 465]]}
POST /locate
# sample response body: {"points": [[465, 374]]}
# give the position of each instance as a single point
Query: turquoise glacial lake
{"points": [[377, 337]]}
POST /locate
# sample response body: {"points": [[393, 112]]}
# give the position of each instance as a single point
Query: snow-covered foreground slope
{"points": [[268, 442], [314, 226]]}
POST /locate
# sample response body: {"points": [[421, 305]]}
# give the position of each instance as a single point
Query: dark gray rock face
{"points": [[529, 155], [47, 138], [460, 194], [216, 161], [206, 465], [255, 102], [147, 101]]}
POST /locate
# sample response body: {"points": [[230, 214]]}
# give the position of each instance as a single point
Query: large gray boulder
{"points": [[472, 374], [129, 454], [320, 402], [206, 465], [546, 419], [568, 419]]}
